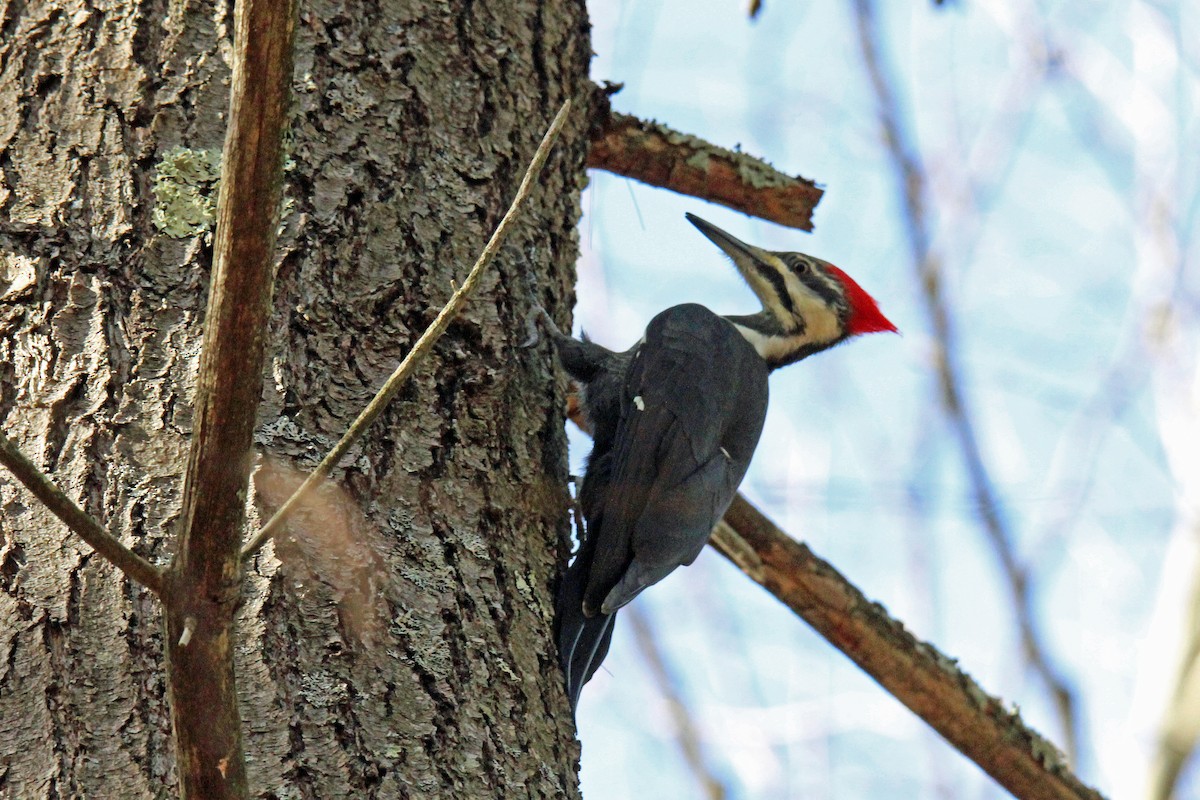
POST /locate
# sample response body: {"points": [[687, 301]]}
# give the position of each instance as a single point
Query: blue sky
{"points": [[1060, 147]]}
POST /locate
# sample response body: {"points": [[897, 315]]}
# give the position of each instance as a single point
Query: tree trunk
{"points": [[395, 640]]}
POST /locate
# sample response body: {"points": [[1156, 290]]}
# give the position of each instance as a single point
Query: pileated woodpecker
{"points": [[675, 420]]}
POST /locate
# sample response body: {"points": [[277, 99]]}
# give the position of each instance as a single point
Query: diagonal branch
{"points": [[911, 176], [423, 345], [689, 739], [79, 521], [925, 680], [657, 155]]}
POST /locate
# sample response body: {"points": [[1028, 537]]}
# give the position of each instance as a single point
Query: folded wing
{"points": [[693, 404]]}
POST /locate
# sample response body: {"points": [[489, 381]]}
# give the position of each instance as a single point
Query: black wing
{"points": [[693, 409], [693, 400]]}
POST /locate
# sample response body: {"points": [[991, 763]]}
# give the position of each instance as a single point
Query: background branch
{"points": [[928, 267], [686, 730], [79, 521], [1179, 728], [928, 682], [659, 156]]}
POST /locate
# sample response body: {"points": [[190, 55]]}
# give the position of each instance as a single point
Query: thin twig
{"points": [[911, 175], [77, 520], [925, 680], [423, 345], [659, 156], [1178, 729], [689, 739]]}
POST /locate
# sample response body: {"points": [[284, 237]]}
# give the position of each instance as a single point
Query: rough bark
{"points": [[394, 641]]}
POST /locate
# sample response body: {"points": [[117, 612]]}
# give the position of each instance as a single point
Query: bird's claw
{"points": [[531, 326]]}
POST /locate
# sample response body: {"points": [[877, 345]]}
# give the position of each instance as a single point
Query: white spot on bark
{"points": [[640, 403]]}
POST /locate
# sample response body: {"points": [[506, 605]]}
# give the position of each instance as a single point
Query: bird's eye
{"points": [[800, 266]]}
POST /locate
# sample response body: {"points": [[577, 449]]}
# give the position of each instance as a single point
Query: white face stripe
{"points": [[821, 323], [769, 348], [763, 288]]}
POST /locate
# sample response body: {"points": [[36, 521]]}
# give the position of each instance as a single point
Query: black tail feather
{"points": [[582, 641], [585, 653]]}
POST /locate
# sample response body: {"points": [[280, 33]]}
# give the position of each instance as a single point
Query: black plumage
{"points": [[675, 421]]}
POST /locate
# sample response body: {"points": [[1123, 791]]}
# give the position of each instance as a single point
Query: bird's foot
{"points": [[531, 326]]}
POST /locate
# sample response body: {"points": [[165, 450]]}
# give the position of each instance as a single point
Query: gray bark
{"points": [[396, 641]]}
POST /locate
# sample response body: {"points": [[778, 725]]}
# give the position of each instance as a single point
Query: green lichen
{"points": [[698, 159], [751, 171], [978, 696], [186, 183], [185, 191], [1046, 754]]}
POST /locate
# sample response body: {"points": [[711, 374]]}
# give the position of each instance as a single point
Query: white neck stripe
{"points": [[772, 348]]}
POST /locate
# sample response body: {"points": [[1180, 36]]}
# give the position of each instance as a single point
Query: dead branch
{"points": [[657, 155], [912, 177], [928, 682], [203, 582], [79, 521]]}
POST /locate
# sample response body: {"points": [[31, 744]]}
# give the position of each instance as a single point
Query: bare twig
{"points": [[1176, 371], [202, 585], [1179, 728], [987, 162], [911, 176], [423, 345], [928, 682], [685, 727], [655, 154], [1163, 202], [79, 521]]}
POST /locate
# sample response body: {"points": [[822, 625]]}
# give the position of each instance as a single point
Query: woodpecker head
{"points": [[808, 304]]}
